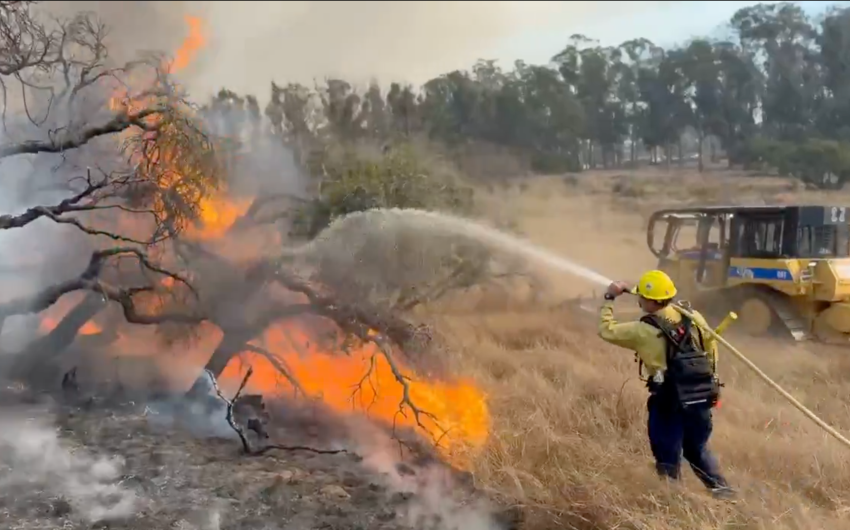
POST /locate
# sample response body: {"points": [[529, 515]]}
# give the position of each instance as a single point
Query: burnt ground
{"points": [[53, 474]]}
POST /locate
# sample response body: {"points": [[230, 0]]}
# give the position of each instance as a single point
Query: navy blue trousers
{"points": [[675, 432]]}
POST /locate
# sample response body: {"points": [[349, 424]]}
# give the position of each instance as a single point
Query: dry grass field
{"points": [[569, 442]]}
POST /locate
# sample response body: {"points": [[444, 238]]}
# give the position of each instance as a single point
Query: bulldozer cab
{"points": [[713, 247]]}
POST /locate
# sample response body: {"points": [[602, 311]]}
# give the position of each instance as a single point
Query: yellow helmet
{"points": [[655, 285]]}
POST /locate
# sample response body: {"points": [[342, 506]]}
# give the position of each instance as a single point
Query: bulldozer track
{"points": [[784, 309], [787, 322]]}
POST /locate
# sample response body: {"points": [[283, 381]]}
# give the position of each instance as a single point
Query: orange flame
{"points": [[90, 328], [217, 214], [460, 421], [455, 413], [191, 44], [47, 324], [62, 307], [183, 57]]}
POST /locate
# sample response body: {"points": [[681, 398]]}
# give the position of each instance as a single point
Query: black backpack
{"points": [[690, 377]]}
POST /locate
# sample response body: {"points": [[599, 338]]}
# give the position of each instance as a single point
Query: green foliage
{"points": [[781, 76], [817, 162], [401, 265], [554, 163], [761, 153], [400, 178]]}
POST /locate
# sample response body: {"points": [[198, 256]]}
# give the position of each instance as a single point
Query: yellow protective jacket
{"points": [[646, 341]]}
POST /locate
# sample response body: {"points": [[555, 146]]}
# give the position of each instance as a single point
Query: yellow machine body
{"points": [[782, 268]]}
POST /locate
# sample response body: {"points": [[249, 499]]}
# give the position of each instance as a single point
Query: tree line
{"points": [[775, 91], [115, 161]]}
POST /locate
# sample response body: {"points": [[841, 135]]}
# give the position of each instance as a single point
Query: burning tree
{"points": [[66, 105], [139, 188]]}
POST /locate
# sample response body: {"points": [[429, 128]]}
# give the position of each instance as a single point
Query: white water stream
{"points": [[391, 219]]}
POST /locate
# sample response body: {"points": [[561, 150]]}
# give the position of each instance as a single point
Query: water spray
{"points": [[388, 219], [339, 234]]}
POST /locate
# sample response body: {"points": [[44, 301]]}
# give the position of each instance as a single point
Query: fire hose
{"points": [[763, 376]]}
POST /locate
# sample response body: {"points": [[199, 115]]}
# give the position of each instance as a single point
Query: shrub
{"points": [[401, 261], [350, 182], [820, 163]]}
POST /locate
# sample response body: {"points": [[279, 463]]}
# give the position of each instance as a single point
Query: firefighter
{"points": [[681, 363]]}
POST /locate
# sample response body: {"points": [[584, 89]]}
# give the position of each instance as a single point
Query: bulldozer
{"points": [[785, 270]]}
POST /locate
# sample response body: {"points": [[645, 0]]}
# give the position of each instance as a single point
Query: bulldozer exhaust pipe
{"points": [[726, 322]]}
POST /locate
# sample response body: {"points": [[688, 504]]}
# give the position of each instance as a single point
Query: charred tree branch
{"points": [[279, 365], [246, 447], [132, 315], [44, 349], [71, 204], [89, 280], [236, 337], [365, 325], [355, 320], [75, 140], [88, 230], [369, 327], [385, 348]]}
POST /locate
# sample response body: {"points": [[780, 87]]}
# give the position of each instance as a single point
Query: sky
{"points": [[250, 43], [664, 23], [415, 41]]}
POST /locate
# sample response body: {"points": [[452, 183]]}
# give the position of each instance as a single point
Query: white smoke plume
{"points": [[434, 500], [32, 458], [252, 43]]}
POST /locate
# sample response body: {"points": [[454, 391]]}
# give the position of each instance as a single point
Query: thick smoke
{"points": [[33, 458], [43, 252], [201, 418], [249, 45]]}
